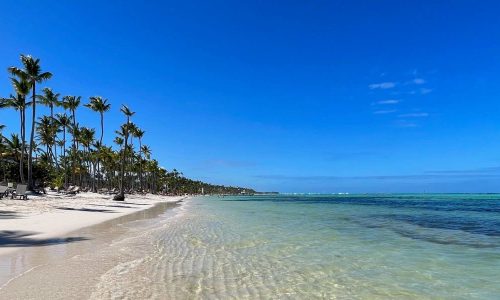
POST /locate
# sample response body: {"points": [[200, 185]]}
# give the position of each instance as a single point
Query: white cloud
{"points": [[404, 123], [390, 101], [424, 91], [383, 112], [382, 85], [419, 81], [414, 115]]}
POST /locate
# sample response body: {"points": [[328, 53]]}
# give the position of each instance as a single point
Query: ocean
{"points": [[408, 246]]}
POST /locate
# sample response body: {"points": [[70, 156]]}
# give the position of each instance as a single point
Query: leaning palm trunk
{"points": [[121, 196], [140, 165], [23, 144], [64, 159], [32, 140]]}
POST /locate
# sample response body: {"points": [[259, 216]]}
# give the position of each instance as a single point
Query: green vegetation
{"points": [[51, 158]]}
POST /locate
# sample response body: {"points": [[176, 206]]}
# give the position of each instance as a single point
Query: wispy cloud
{"points": [[414, 115], [406, 124], [418, 81], [390, 101], [382, 85], [424, 91], [383, 112]]}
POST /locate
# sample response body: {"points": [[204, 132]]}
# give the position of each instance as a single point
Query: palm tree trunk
{"points": [[99, 153], [64, 158], [73, 162], [55, 134], [122, 171], [21, 161], [140, 164], [32, 138]]}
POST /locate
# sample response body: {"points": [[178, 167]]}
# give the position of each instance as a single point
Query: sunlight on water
{"points": [[367, 247], [278, 247]]}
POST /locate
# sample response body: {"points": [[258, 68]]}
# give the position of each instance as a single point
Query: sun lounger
{"points": [[103, 191], [3, 191], [20, 192], [69, 189], [73, 191]]}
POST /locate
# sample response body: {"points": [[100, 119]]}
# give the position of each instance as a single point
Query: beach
{"points": [[273, 247], [42, 219], [41, 236]]}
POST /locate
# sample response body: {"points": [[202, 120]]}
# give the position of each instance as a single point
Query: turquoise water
{"points": [[279, 247], [347, 247]]}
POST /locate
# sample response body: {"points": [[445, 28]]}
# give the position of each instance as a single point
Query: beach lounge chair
{"points": [[69, 189], [3, 191], [73, 191], [20, 192]]}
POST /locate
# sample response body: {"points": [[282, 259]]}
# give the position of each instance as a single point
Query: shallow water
{"points": [[284, 247]]}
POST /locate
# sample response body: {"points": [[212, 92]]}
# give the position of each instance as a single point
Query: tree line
{"points": [[60, 152]]}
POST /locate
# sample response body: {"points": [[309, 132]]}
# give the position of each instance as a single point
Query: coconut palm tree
{"points": [[87, 139], [125, 131], [47, 132], [100, 105], [18, 102], [65, 122], [139, 134], [51, 100], [13, 147], [146, 151], [32, 73], [71, 103]]}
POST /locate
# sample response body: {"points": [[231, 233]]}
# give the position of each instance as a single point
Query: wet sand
{"points": [[72, 265]]}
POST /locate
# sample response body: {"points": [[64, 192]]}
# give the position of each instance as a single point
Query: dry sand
{"points": [[53, 215]]}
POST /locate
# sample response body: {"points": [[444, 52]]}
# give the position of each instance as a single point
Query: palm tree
{"points": [[139, 134], [13, 148], [125, 130], [146, 151], [47, 133], [18, 102], [65, 122], [100, 105], [32, 73], [71, 103], [51, 100], [87, 139]]}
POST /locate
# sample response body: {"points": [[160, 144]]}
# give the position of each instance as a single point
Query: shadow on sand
{"points": [[88, 209], [9, 238], [6, 214]]}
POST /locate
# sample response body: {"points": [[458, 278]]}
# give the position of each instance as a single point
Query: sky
{"points": [[289, 96]]}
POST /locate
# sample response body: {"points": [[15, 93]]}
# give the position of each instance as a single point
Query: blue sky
{"points": [[292, 96]]}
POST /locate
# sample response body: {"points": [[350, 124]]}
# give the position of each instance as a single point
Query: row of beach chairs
{"points": [[19, 192]]}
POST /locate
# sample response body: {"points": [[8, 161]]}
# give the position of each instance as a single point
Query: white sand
{"points": [[54, 215]]}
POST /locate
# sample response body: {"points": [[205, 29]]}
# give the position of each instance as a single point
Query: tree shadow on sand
{"points": [[117, 206], [11, 238], [7, 214], [88, 209]]}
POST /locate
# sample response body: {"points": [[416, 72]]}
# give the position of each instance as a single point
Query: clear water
{"points": [[366, 247], [302, 247]]}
